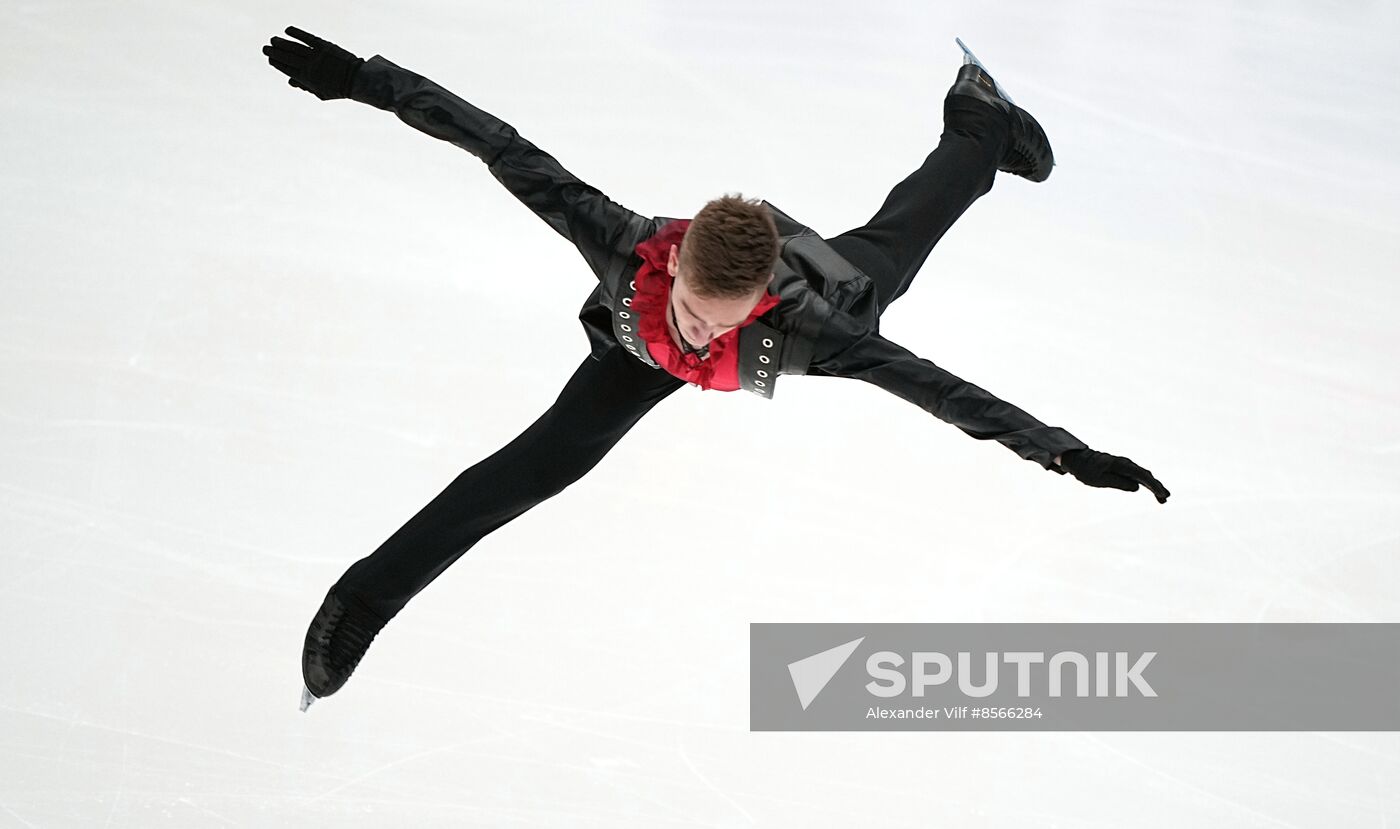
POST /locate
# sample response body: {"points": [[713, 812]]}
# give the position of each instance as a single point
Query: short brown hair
{"points": [[730, 247]]}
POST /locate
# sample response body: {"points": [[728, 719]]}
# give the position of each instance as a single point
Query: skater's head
{"points": [[722, 267]]}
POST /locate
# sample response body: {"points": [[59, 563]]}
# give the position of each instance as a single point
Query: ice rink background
{"points": [[246, 334]]}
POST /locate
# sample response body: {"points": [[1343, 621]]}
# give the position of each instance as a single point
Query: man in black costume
{"points": [[730, 300]]}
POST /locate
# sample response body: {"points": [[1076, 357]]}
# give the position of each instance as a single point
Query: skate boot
{"points": [[1028, 152], [338, 637]]}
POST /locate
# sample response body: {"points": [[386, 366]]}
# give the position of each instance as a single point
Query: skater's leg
{"points": [[892, 246], [599, 404]]}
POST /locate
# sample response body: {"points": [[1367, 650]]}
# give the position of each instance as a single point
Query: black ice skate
{"points": [[339, 635], [1028, 155]]}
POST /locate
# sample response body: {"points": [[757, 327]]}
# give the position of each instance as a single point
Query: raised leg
{"points": [[892, 246]]}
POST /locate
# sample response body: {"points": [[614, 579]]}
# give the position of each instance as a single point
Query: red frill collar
{"points": [[650, 303]]}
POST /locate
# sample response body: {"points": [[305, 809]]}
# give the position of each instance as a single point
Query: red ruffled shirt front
{"points": [[720, 371]]}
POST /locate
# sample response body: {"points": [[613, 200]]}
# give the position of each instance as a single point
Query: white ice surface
{"points": [[245, 334]]}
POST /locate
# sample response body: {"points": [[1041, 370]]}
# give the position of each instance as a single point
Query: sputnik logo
{"points": [[811, 675]]}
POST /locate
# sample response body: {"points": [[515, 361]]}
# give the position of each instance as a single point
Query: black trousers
{"points": [[605, 398]]}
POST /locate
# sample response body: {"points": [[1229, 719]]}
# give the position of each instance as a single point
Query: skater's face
{"points": [[698, 319]]}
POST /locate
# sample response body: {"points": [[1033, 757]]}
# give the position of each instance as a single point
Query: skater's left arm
{"points": [[847, 349]]}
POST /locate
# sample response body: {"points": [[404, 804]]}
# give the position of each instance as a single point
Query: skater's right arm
{"points": [[599, 227]]}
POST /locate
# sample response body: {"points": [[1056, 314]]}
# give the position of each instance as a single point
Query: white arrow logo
{"points": [[810, 675]]}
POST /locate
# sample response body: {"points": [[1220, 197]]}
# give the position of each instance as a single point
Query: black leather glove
{"points": [[323, 69], [1104, 470]]}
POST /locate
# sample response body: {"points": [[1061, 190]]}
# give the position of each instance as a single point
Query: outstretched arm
{"points": [[848, 349], [599, 227]]}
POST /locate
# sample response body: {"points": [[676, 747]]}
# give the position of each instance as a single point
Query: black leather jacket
{"points": [[826, 322]]}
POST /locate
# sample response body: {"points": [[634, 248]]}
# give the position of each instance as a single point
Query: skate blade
{"points": [[306, 698], [968, 57]]}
